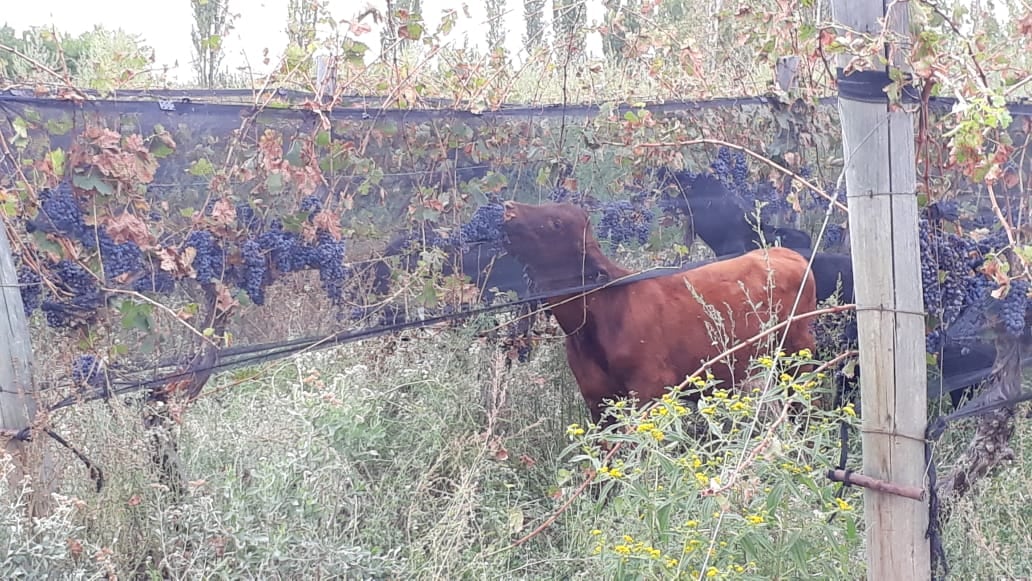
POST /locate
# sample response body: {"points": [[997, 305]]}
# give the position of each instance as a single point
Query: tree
{"points": [[302, 17], [399, 12], [568, 20], [535, 14], [495, 26], [212, 21], [622, 21], [99, 59]]}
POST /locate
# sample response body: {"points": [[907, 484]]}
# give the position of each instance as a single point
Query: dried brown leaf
{"points": [[329, 221], [127, 227], [224, 212]]}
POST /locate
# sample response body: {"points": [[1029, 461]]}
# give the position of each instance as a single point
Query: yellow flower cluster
{"points": [[574, 430], [652, 430], [630, 547], [611, 472], [734, 402], [795, 468], [843, 505]]}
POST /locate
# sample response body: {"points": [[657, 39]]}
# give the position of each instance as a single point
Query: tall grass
{"points": [[425, 459]]}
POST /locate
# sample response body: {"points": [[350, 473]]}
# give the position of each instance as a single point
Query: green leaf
{"points": [[515, 520], [160, 150], [428, 297], [21, 128], [187, 212], [322, 139], [630, 116], [45, 244], [91, 181], [59, 126], [293, 155], [136, 315], [274, 183], [57, 161], [414, 30], [774, 498], [1024, 252], [202, 167], [149, 343]]}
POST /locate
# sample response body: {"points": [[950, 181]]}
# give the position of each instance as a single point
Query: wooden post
{"points": [[325, 76], [881, 184], [17, 394]]}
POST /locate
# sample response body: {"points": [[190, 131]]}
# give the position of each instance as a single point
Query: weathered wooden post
{"points": [[881, 184], [325, 76], [17, 394]]}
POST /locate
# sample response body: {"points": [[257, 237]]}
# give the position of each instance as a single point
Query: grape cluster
{"points": [[945, 271], [732, 168], [289, 253], [1013, 308], [994, 241], [622, 222], [154, 280], [485, 225], [60, 213], [246, 218], [254, 271], [85, 295], [118, 259], [311, 205], [87, 369], [208, 262], [834, 235], [31, 286], [559, 195], [947, 210], [328, 257]]}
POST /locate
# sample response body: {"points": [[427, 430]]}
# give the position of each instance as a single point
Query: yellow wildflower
{"points": [[622, 549], [843, 505], [804, 353], [596, 532], [671, 563], [755, 519], [849, 410], [692, 524], [712, 572]]}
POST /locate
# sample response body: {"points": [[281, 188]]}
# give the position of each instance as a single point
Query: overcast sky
{"points": [[261, 24]]}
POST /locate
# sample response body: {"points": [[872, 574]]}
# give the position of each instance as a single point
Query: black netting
{"points": [[285, 225]]}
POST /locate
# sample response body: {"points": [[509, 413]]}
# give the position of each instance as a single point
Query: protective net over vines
{"points": [[150, 227]]}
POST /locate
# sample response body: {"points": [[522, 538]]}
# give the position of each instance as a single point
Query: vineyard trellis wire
{"points": [[179, 226]]}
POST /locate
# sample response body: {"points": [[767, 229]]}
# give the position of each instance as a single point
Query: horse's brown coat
{"points": [[649, 335]]}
